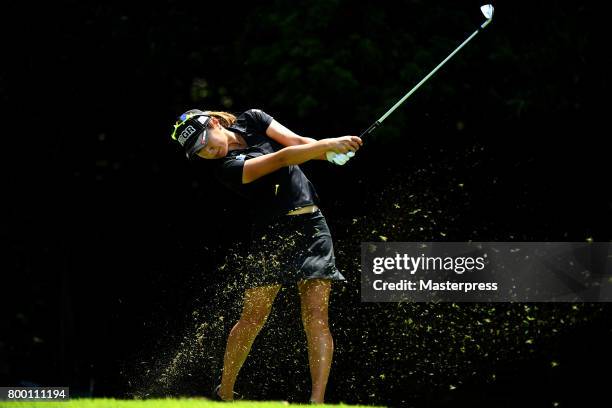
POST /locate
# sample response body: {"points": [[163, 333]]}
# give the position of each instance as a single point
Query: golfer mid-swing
{"points": [[258, 158]]}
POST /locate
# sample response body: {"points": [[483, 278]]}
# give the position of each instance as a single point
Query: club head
{"points": [[487, 10]]}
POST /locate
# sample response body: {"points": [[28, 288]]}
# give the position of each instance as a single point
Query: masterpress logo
{"points": [[486, 272]]}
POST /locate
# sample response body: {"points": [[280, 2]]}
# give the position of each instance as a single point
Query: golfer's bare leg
{"points": [[257, 305], [314, 295]]}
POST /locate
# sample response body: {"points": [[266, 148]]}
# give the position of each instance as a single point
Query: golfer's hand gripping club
{"points": [[338, 158], [344, 149]]}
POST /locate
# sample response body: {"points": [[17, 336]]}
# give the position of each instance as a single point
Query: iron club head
{"points": [[487, 10]]}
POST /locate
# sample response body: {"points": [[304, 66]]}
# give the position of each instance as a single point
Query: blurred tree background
{"points": [[106, 253]]}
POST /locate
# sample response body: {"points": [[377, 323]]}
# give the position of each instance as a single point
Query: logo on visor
{"points": [[185, 134]]}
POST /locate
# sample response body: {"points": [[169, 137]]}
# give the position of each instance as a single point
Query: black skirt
{"points": [[288, 248]]}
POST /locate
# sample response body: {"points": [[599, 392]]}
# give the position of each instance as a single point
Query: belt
{"points": [[304, 210]]}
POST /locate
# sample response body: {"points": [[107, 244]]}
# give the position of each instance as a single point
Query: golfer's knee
{"points": [[257, 319], [315, 321]]}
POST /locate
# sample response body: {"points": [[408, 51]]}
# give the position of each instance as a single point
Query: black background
{"points": [[112, 238]]}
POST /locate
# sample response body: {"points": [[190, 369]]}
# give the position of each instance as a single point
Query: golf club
{"points": [[487, 10]]}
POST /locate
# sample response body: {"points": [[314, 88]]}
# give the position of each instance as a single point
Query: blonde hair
{"points": [[226, 119]]}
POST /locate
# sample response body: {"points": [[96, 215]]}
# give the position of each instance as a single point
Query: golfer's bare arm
{"points": [[260, 166], [297, 154], [286, 137]]}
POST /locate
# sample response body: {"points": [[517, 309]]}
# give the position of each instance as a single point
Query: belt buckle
{"points": [[308, 209]]}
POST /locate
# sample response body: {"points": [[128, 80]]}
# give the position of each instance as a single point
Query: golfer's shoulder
{"points": [[255, 118], [255, 113]]}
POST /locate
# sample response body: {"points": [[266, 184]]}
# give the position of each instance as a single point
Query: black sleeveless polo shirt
{"points": [[273, 194]]}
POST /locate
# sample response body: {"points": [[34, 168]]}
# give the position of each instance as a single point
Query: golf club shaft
{"points": [[390, 111]]}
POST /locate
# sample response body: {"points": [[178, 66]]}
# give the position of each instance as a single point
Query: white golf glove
{"points": [[339, 158]]}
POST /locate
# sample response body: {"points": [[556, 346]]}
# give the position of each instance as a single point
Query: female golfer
{"points": [[258, 158]]}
